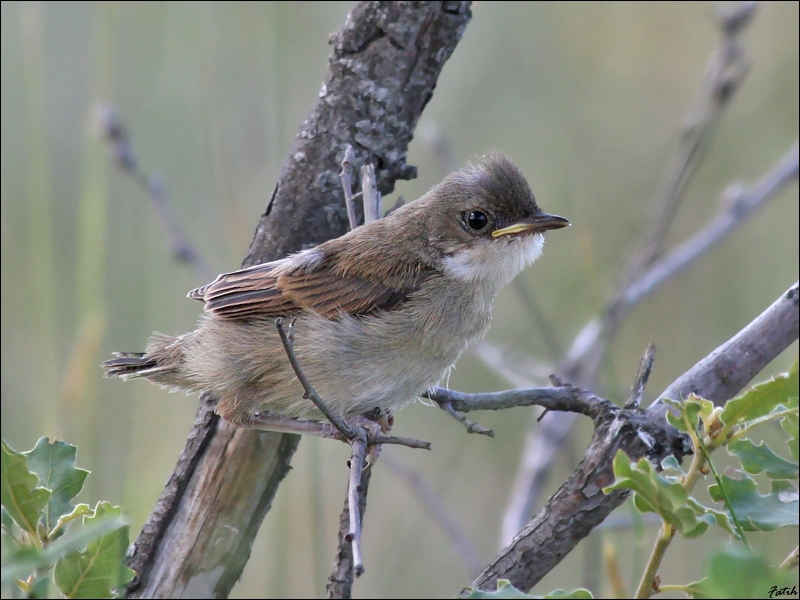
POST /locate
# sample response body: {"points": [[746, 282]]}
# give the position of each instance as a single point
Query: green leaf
{"points": [[506, 590], [6, 520], [758, 459], [664, 496], [55, 466], [761, 399], [696, 409], [19, 493], [22, 561], [758, 512], [736, 573], [96, 571], [40, 588], [81, 510], [579, 594], [791, 426], [670, 467], [722, 519]]}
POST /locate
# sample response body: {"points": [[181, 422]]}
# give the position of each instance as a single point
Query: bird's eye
{"points": [[476, 220]]}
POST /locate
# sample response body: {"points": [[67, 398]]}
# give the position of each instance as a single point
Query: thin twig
{"points": [[346, 176], [791, 560], [725, 72], [565, 398], [379, 438], [572, 514], [340, 582], [347, 431], [439, 512], [310, 394], [471, 426], [370, 195], [359, 445], [642, 375], [115, 132], [736, 206], [539, 319]]}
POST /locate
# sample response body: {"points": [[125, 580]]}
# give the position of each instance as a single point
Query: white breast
{"points": [[500, 260]]}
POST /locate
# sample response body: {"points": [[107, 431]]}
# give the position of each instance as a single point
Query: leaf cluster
{"points": [[46, 535], [666, 489]]}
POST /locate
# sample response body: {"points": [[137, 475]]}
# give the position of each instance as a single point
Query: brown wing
{"points": [[269, 291]]}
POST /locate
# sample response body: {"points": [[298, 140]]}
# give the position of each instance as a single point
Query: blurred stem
{"points": [[317, 512], [645, 589], [539, 318], [684, 589], [92, 225], [593, 548], [725, 498], [640, 539], [278, 585], [611, 562], [39, 191], [92, 236]]}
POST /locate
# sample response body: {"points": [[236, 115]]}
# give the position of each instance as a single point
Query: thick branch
{"points": [[724, 372], [385, 63], [564, 398], [579, 505]]}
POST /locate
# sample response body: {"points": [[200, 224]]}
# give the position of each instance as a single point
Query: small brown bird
{"points": [[382, 312]]}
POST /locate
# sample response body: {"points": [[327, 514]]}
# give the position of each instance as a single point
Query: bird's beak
{"points": [[537, 223]]}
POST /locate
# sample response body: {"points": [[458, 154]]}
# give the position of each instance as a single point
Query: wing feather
{"points": [[278, 290]]}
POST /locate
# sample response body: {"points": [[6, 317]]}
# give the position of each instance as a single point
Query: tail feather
{"points": [[128, 365], [161, 363]]}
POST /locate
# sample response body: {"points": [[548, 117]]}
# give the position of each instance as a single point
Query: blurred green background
{"points": [[587, 98]]}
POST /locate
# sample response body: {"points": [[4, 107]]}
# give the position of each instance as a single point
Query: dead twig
{"points": [[737, 204], [724, 74], [346, 431], [310, 394], [115, 132], [564, 398], [438, 511], [340, 582], [370, 195], [357, 464], [471, 426], [346, 177], [642, 375], [579, 505]]}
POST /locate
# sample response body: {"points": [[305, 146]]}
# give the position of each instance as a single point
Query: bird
{"points": [[380, 314]]}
